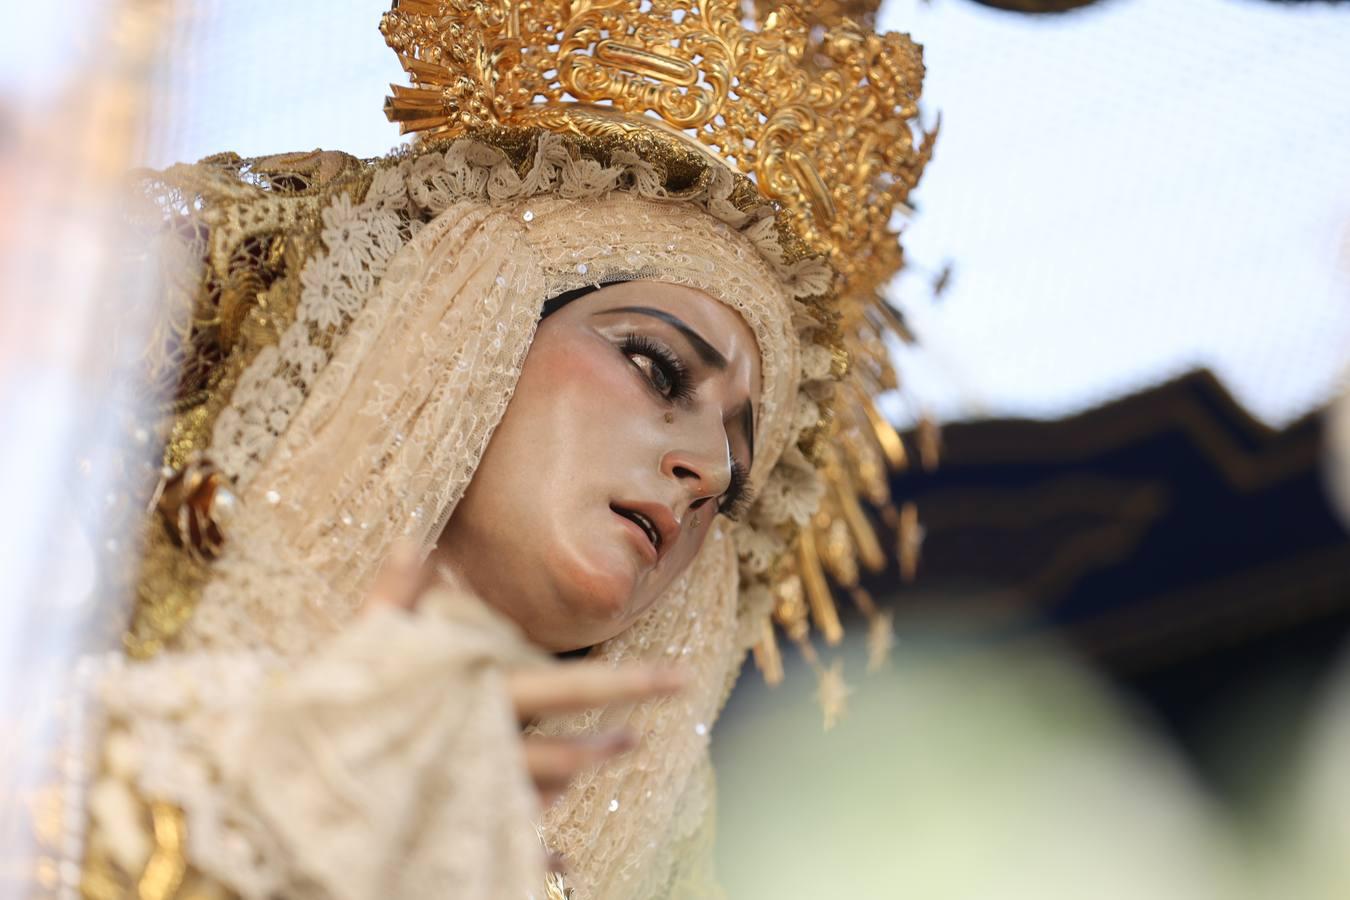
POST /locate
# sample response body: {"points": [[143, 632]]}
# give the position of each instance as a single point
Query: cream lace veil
{"points": [[365, 422]]}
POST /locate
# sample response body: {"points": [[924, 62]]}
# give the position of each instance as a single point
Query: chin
{"points": [[597, 591], [590, 609]]}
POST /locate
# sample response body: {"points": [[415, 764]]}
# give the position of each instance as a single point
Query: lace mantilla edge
{"points": [[229, 237]]}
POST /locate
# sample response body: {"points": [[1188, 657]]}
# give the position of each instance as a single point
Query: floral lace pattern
{"points": [[361, 240]]}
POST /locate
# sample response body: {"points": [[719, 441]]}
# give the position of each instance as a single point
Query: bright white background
{"points": [[1128, 192]]}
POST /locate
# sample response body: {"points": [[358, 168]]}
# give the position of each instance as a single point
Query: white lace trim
{"points": [[361, 239], [389, 763]]}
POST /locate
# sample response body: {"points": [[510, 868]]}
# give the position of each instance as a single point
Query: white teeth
{"points": [[645, 524]]}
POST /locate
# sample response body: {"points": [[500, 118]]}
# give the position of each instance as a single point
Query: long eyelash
{"points": [[676, 372], [738, 497]]}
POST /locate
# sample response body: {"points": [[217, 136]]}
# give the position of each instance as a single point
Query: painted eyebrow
{"points": [[706, 351]]}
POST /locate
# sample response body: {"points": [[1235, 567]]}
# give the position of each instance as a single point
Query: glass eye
{"points": [[655, 374], [664, 370]]}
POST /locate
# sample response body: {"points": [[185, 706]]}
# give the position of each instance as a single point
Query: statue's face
{"points": [[631, 429]]}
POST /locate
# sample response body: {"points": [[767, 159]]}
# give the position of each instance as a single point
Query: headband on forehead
{"points": [[558, 301]]}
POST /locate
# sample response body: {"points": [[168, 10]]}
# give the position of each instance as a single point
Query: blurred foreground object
{"points": [[963, 775], [66, 323], [1184, 732], [969, 774]]}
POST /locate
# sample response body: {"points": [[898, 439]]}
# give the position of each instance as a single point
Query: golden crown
{"points": [[821, 118]]}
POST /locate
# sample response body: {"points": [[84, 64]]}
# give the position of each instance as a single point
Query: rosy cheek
{"points": [[591, 365]]}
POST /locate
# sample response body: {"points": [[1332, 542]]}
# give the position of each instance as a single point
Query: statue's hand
{"points": [[538, 691], [571, 687]]}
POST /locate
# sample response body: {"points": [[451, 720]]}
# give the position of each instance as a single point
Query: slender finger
{"points": [[583, 685], [553, 762], [401, 579]]}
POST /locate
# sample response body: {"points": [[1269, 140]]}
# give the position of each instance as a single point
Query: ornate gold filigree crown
{"points": [[823, 119]]}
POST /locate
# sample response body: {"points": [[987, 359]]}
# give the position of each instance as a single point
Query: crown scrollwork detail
{"points": [[823, 119]]}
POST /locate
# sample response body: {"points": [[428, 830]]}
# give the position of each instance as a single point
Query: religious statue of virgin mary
{"points": [[585, 371]]}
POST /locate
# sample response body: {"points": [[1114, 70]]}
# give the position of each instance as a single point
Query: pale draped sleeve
{"points": [[389, 763]]}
